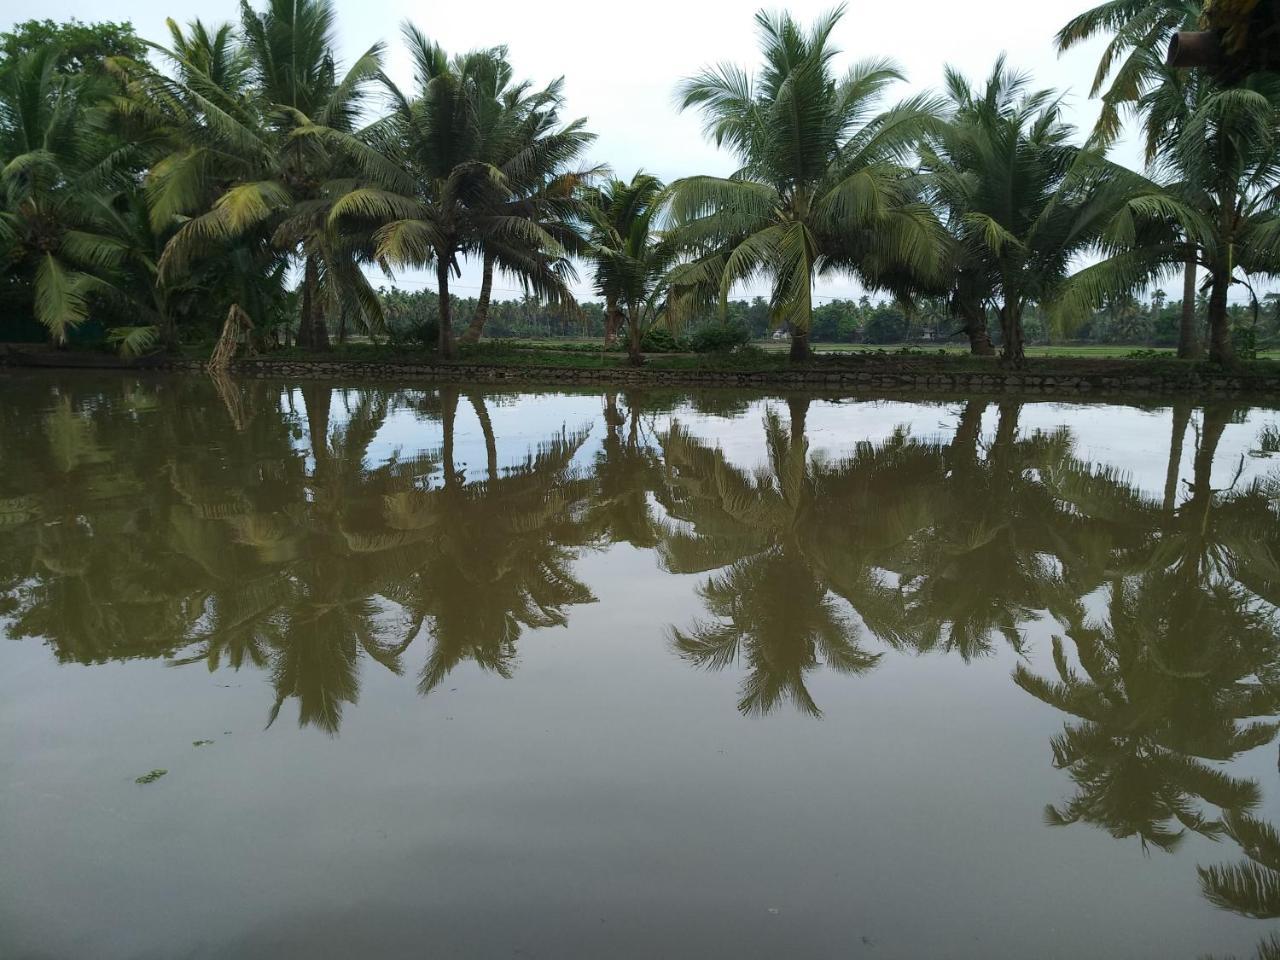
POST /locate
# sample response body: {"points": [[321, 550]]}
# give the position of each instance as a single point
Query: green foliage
{"points": [[719, 337], [661, 340], [79, 47]]}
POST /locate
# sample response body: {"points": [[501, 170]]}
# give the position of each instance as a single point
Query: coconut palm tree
{"points": [[1133, 59], [1224, 163], [822, 187], [261, 153], [56, 172], [631, 257], [524, 140], [1024, 203], [447, 182]]}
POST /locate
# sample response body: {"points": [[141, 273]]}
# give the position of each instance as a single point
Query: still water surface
{"points": [[441, 672]]}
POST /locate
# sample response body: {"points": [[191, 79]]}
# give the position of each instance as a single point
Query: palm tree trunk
{"points": [[1188, 342], [1012, 353], [633, 339], [979, 339], [1220, 350], [308, 294], [444, 344], [319, 329], [799, 345], [478, 318], [612, 320], [1181, 417], [486, 428]]}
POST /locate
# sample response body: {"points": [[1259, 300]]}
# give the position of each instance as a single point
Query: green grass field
{"points": [[1088, 351]]}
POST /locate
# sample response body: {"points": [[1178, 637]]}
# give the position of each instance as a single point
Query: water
{"points": [[438, 672]]}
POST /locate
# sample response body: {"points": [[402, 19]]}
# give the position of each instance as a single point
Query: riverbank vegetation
{"points": [[237, 179]]}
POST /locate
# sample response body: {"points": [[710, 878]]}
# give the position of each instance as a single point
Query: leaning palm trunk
{"points": [[1188, 342], [237, 323], [476, 327]]}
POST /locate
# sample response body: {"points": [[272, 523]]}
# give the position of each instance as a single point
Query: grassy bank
{"points": [[589, 355]]}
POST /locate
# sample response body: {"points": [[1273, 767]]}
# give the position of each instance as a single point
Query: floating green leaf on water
{"points": [[151, 777], [201, 743]]}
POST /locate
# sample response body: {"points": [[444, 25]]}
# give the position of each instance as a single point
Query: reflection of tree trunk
{"points": [[1213, 422], [317, 397], [486, 427], [476, 327], [449, 420], [798, 409], [1181, 416], [964, 445], [1006, 427], [1188, 342], [612, 415]]}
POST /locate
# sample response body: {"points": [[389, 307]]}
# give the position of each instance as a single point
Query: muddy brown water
{"points": [[447, 672]]}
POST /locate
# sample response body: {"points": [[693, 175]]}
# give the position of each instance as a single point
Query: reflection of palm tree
{"points": [[986, 564], [1166, 687], [495, 555], [626, 471], [773, 605]]}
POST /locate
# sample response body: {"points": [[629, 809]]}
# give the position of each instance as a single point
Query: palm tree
{"points": [[822, 186], [1134, 58], [442, 188], [632, 258], [1224, 164], [262, 153], [55, 172], [524, 141], [1024, 203]]}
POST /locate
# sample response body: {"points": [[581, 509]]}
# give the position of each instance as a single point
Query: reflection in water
{"points": [[239, 525]]}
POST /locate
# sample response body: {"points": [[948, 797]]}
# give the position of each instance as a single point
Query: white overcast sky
{"points": [[621, 64]]}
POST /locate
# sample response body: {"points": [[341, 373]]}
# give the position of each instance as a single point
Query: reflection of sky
{"points": [[1131, 439]]}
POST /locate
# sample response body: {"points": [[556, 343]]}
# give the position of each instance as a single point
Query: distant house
{"points": [[780, 335]]}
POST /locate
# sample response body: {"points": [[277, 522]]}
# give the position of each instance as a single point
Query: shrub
{"points": [[661, 340], [720, 337]]}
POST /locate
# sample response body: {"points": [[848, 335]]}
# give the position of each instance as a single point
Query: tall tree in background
{"points": [[822, 188]]}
